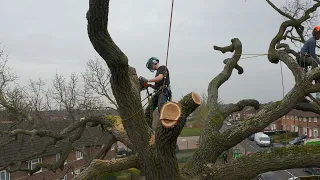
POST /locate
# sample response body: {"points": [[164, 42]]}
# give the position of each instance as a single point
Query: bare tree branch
{"points": [[272, 54], [97, 78], [279, 11], [230, 108]]}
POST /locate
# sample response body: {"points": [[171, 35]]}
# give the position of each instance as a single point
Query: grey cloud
{"points": [[43, 37]]}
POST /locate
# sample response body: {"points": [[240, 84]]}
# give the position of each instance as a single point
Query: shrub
{"points": [[135, 173]]}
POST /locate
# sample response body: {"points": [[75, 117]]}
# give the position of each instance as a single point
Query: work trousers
{"points": [[305, 60], [157, 101]]}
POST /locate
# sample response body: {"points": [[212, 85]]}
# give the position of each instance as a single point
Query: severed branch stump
{"points": [[171, 111]]}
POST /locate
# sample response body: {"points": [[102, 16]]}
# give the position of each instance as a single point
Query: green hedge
{"points": [[284, 138]]}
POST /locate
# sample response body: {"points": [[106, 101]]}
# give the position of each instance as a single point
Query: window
{"points": [[292, 128], [4, 175], [76, 172], [296, 129], [79, 155], [284, 117], [315, 132], [63, 177], [305, 131], [58, 157], [315, 119], [32, 164], [284, 127], [304, 119], [300, 118], [292, 118], [295, 117], [310, 119]]}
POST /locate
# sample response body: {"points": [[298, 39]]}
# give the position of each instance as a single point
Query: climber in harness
{"points": [[162, 92], [307, 56]]}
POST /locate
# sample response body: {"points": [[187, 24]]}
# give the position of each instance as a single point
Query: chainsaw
{"points": [[143, 83]]}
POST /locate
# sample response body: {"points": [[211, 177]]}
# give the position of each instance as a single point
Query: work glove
{"points": [[143, 83]]}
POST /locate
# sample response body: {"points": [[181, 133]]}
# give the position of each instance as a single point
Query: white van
{"points": [[262, 139]]}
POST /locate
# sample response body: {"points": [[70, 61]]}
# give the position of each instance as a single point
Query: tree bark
{"points": [[98, 167], [158, 161], [247, 167]]}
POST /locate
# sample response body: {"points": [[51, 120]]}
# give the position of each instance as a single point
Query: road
{"points": [[187, 142], [284, 174]]}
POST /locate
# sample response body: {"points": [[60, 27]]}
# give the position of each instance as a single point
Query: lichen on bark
{"points": [[159, 161]]}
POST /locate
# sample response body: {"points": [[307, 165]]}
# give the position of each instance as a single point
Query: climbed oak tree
{"points": [[158, 161]]}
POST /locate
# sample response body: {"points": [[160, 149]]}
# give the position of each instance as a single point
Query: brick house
{"points": [[92, 140], [306, 123], [245, 113], [248, 112]]}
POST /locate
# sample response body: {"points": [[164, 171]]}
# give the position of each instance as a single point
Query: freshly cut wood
{"points": [[196, 98], [152, 139], [171, 112]]}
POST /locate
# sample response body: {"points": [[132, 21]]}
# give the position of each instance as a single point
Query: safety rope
{"points": [[252, 56], [167, 56], [164, 81], [286, 135], [282, 79], [142, 106]]}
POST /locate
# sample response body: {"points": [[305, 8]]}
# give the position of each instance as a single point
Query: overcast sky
{"points": [[45, 37]]}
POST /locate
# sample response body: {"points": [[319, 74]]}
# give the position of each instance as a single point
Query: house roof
{"points": [[300, 113], [24, 146], [294, 112]]}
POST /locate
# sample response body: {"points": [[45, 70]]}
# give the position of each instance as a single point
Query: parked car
{"points": [[313, 171], [298, 140], [262, 139], [267, 176], [251, 138], [123, 153]]}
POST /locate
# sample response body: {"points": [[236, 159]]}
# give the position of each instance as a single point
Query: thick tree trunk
{"points": [[158, 160], [164, 161]]}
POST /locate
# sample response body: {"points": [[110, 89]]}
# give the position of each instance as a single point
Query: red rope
{"points": [[167, 54]]}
